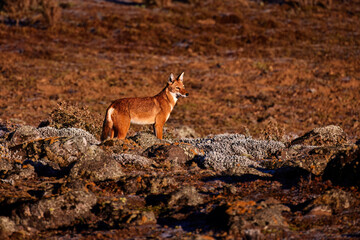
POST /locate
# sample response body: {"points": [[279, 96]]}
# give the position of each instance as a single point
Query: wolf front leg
{"points": [[159, 124]]}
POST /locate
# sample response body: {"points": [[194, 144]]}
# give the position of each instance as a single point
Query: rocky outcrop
{"points": [[96, 165], [187, 195], [323, 136], [226, 151], [331, 202], [54, 179], [241, 215], [58, 211], [7, 227], [344, 167], [145, 139], [28, 133], [172, 155]]}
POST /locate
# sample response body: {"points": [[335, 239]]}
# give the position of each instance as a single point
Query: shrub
{"points": [[68, 115], [29, 11]]}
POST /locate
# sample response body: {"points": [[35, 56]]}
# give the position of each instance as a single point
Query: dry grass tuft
{"points": [[272, 131], [71, 115], [30, 11]]}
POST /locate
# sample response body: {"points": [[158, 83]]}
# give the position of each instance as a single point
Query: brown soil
{"points": [[246, 63]]}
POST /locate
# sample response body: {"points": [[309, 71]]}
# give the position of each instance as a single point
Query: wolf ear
{"points": [[171, 79], [181, 77]]}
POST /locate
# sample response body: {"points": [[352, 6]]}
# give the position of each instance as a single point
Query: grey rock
{"points": [[187, 195], [226, 151], [55, 212], [331, 201], [247, 214], [23, 134], [7, 227], [145, 140], [344, 167], [312, 159], [67, 151], [6, 158], [323, 136], [96, 165], [24, 171], [269, 213], [144, 217], [172, 154], [46, 132], [126, 159]]}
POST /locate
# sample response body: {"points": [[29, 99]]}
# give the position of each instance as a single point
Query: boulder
{"points": [[330, 202], [47, 132], [225, 151], [172, 154], [6, 159], [96, 165], [23, 134], [66, 151], [344, 167], [187, 195], [59, 211], [7, 227], [127, 160], [147, 184], [241, 215], [323, 136], [145, 139], [312, 159], [53, 156]]}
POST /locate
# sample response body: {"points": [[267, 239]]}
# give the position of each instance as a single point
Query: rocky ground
{"points": [[265, 147], [64, 183]]}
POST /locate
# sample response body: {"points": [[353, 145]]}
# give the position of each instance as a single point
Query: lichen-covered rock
{"points": [[50, 156], [143, 217], [330, 202], [172, 154], [140, 184], [47, 132], [7, 227], [145, 139], [67, 151], [23, 134], [22, 171], [6, 159], [247, 214], [126, 159], [28, 133], [96, 165], [55, 212], [323, 136], [187, 195], [344, 167], [312, 159], [226, 151]]}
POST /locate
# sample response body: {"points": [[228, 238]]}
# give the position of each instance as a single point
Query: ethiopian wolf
{"points": [[146, 110]]}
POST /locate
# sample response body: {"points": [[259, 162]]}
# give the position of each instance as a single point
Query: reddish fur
{"points": [[148, 110]]}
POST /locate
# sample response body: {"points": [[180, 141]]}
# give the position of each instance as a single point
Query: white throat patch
{"points": [[174, 96]]}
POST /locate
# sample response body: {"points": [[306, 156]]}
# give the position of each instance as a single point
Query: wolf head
{"points": [[176, 85]]}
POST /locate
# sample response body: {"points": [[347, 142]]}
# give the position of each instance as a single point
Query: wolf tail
{"points": [[107, 125]]}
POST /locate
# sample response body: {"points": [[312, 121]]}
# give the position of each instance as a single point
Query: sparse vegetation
{"points": [[71, 115], [28, 11]]}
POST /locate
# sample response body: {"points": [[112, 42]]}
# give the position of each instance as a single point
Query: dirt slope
{"points": [[246, 63]]}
